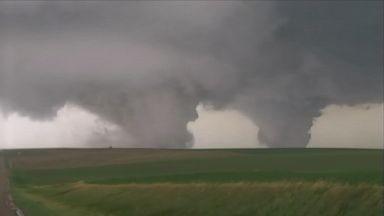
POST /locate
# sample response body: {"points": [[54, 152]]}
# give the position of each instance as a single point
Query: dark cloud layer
{"points": [[146, 65]]}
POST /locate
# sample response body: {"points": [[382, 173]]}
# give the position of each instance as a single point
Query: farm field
{"points": [[152, 182]]}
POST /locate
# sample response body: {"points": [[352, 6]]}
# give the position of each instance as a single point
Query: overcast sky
{"points": [[176, 74]]}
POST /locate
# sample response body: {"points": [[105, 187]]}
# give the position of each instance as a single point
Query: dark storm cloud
{"points": [[146, 65]]}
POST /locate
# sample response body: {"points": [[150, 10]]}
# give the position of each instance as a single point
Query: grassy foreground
{"points": [[279, 198], [141, 182]]}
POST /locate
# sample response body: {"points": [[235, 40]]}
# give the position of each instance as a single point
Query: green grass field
{"points": [[197, 182]]}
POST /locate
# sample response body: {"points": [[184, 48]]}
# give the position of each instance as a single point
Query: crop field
{"points": [[138, 182]]}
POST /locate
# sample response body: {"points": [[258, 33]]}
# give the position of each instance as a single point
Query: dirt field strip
{"points": [[7, 207]]}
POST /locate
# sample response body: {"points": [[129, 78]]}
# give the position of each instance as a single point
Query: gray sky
{"points": [[140, 70]]}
